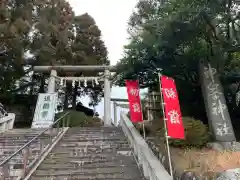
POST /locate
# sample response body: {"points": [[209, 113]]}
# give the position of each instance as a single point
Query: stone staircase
{"points": [[90, 154], [14, 139]]}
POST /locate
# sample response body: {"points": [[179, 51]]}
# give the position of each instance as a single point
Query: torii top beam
{"points": [[73, 68]]}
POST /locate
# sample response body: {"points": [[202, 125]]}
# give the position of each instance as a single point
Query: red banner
{"points": [[134, 101], [173, 115]]}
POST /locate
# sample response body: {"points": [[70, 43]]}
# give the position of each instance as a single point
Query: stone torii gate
{"points": [[107, 84]]}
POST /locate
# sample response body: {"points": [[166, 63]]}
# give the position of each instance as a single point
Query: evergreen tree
{"points": [[88, 49], [15, 25], [52, 34], [174, 36], [43, 32]]}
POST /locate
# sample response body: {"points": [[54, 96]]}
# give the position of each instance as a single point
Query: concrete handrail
{"points": [[7, 122], [152, 167]]}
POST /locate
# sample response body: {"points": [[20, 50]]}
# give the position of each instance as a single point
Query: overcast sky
{"points": [[111, 16]]}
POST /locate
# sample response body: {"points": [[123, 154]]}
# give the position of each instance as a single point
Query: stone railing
{"points": [[152, 168], [7, 122]]}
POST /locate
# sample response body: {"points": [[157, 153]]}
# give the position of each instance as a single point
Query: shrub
{"points": [[79, 119], [196, 134], [139, 127]]}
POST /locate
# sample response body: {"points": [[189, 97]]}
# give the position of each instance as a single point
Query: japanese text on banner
{"points": [[134, 101], [173, 115]]}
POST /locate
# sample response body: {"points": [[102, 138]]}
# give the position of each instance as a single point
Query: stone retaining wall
{"points": [[231, 174]]}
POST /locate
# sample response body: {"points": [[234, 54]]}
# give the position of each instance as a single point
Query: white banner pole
{"points": [[143, 123], [144, 132], [165, 128]]}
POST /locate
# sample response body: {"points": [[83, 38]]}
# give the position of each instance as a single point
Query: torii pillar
{"points": [[52, 81], [107, 99]]}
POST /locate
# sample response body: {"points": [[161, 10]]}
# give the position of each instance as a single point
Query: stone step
{"points": [[21, 142], [16, 144], [23, 134], [15, 177], [94, 128], [23, 131], [84, 164], [78, 130], [16, 164], [117, 176], [20, 134], [93, 149], [5, 154], [90, 144], [93, 142], [97, 135], [97, 132], [13, 150], [26, 132], [19, 158], [9, 178], [9, 133], [10, 147], [81, 156], [95, 138], [26, 129], [85, 171], [23, 138], [20, 154]]}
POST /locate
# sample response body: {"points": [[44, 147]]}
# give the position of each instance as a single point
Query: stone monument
{"points": [[217, 112]]}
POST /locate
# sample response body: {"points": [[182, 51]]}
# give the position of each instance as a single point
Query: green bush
{"points": [[79, 119], [196, 134]]}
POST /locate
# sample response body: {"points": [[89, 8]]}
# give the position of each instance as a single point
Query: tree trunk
{"points": [[75, 91], [42, 84], [32, 86], [67, 94]]}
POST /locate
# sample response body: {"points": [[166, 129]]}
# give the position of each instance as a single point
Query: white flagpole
{"points": [[143, 126], [165, 128], [144, 133]]}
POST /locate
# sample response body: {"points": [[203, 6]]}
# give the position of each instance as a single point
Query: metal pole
{"points": [[144, 132], [154, 105], [107, 99], [149, 105], [165, 127], [51, 81], [143, 125], [115, 112]]}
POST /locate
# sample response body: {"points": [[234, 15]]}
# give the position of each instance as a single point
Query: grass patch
{"points": [[79, 119]]}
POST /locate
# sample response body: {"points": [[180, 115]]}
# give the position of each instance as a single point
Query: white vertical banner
{"points": [[45, 110]]}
